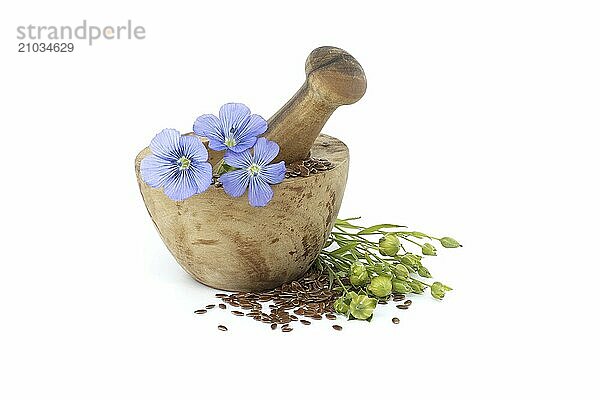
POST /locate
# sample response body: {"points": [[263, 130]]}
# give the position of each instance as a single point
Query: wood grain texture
{"points": [[225, 243], [333, 78]]}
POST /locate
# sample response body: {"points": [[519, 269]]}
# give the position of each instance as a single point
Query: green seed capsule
{"points": [[381, 286], [362, 306], [389, 245], [341, 306], [358, 274], [399, 286], [417, 287], [437, 290], [412, 260], [400, 271]]}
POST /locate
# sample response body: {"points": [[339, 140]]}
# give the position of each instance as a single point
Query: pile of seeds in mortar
{"points": [[302, 168], [307, 167], [299, 302]]}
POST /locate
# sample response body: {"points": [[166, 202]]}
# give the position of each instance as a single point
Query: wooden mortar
{"points": [[224, 242]]}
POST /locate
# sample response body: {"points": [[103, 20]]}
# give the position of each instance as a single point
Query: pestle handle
{"points": [[333, 78]]}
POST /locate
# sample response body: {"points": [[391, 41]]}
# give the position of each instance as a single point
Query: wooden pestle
{"points": [[333, 78]]}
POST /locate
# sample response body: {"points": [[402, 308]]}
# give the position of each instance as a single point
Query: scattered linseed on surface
{"points": [[396, 320], [308, 297], [222, 327], [398, 297]]}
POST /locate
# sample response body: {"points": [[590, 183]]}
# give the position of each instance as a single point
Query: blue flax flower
{"points": [[235, 129], [178, 165], [254, 172]]}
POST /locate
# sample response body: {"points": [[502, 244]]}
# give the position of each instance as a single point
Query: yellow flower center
{"points": [[230, 142], [183, 163], [254, 169]]}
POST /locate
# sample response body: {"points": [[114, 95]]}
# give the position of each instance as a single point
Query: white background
{"points": [[480, 122]]}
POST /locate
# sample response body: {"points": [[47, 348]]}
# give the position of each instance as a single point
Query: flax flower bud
{"points": [[449, 243], [428, 250]]}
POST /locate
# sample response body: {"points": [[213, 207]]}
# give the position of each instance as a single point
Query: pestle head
{"points": [[333, 78], [335, 75]]}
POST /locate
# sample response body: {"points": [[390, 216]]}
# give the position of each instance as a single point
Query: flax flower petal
{"points": [[210, 126], [273, 173], [259, 192], [244, 144], [201, 173], [254, 125], [181, 186], [166, 144], [265, 151], [193, 148], [156, 170], [238, 160], [235, 182], [233, 115]]}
